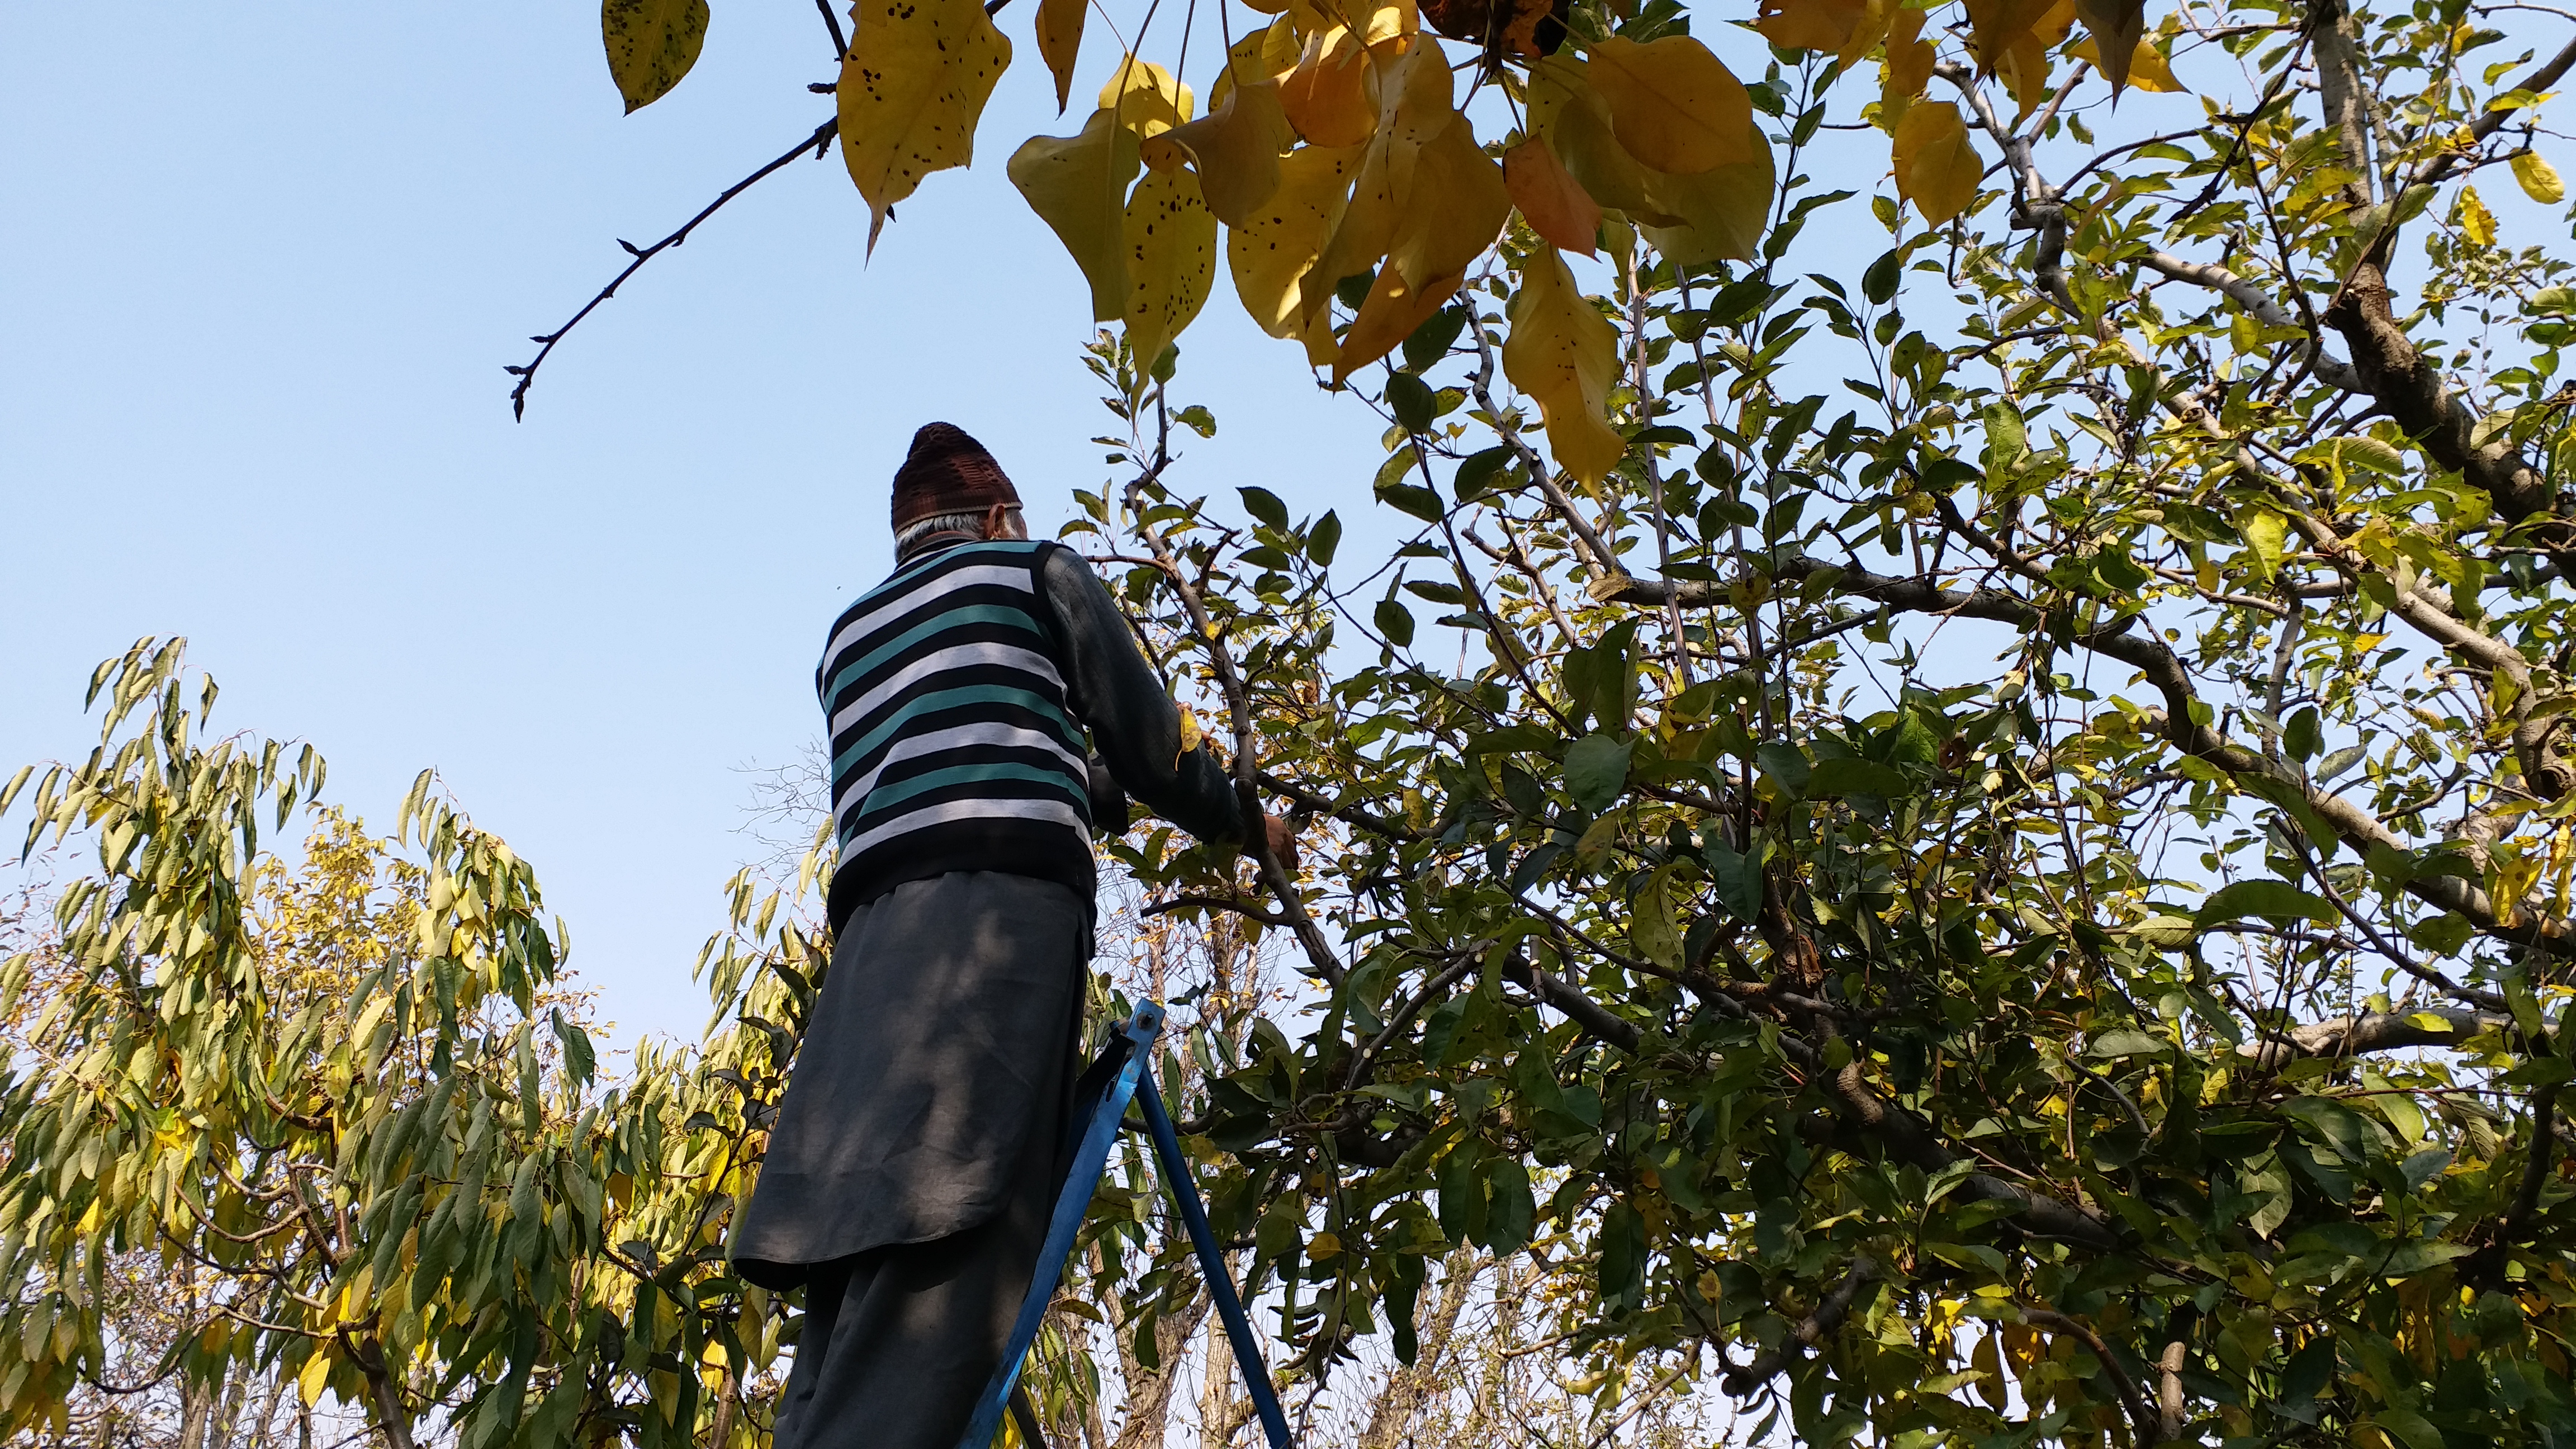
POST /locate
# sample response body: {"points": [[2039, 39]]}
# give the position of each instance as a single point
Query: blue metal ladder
{"points": [[1128, 1069]]}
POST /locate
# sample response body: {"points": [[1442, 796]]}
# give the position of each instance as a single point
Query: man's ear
{"points": [[997, 521]]}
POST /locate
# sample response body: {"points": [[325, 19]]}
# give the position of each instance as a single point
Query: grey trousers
{"points": [[898, 1341]]}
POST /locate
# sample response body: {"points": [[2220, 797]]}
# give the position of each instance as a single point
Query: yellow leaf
{"points": [[1811, 24], [317, 1373], [1909, 66], [1391, 22], [1673, 104], [2539, 179], [2115, 31], [2147, 70], [1322, 1246], [1326, 94], [1564, 355], [1417, 103], [1455, 207], [1235, 149], [1936, 168], [2476, 222], [2024, 64], [1988, 1360], [1078, 184], [1713, 215], [1190, 735], [1060, 42], [1566, 109], [651, 45], [1999, 25], [1272, 251], [1146, 97], [1387, 316], [1171, 259], [912, 87], [1553, 203], [1718, 214], [1458, 204]]}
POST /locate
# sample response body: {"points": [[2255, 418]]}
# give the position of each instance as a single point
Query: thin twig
{"points": [[820, 141]]}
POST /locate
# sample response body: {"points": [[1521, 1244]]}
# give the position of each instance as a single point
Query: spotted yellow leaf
{"points": [[1549, 198], [651, 45], [1326, 93], [1059, 26], [1170, 243], [912, 88], [1271, 251], [1564, 354], [1457, 206]]}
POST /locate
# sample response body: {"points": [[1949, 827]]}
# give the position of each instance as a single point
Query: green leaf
{"points": [[1263, 504], [1878, 283], [1510, 1212], [1650, 926], [2126, 1043], [2265, 533], [1394, 621], [1850, 775], [1737, 878], [1477, 473], [2275, 900], [1786, 766], [2299, 735], [1596, 771], [1324, 538], [1411, 400]]}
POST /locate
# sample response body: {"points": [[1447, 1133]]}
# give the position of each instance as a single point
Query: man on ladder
{"points": [[910, 1175]]}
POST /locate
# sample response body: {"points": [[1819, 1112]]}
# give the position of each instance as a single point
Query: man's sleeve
{"points": [[1133, 723]]}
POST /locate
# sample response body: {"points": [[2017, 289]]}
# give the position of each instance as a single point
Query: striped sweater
{"points": [[954, 745]]}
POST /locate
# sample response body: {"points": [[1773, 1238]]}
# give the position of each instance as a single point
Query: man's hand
{"points": [[1282, 839]]}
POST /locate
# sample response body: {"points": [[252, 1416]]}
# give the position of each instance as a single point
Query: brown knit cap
{"points": [[947, 472]]}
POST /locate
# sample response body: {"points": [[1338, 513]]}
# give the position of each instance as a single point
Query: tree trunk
{"points": [[196, 1406]]}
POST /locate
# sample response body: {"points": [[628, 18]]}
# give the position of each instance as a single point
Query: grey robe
{"points": [[944, 1037]]}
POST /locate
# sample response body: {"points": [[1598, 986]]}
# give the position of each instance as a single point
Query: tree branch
{"points": [[527, 376]]}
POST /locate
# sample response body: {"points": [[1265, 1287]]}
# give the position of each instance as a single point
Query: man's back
{"points": [[954, 746]]}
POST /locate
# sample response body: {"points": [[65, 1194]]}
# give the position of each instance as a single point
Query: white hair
{"points": [[914, 532]]}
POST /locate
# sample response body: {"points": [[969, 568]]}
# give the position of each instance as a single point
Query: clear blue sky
{"points": [[260, 268]]}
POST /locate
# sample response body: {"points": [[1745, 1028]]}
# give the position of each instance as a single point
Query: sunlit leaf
{"points": [[2539, 179], [1326, 96], [1059, 26], [1171, 259], [1148, 99], [1549, 198], [651, 45], [1564, 355], [912, 88], [1936, 168], [1269, 253], [2147, 69], [1673, 104]]}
